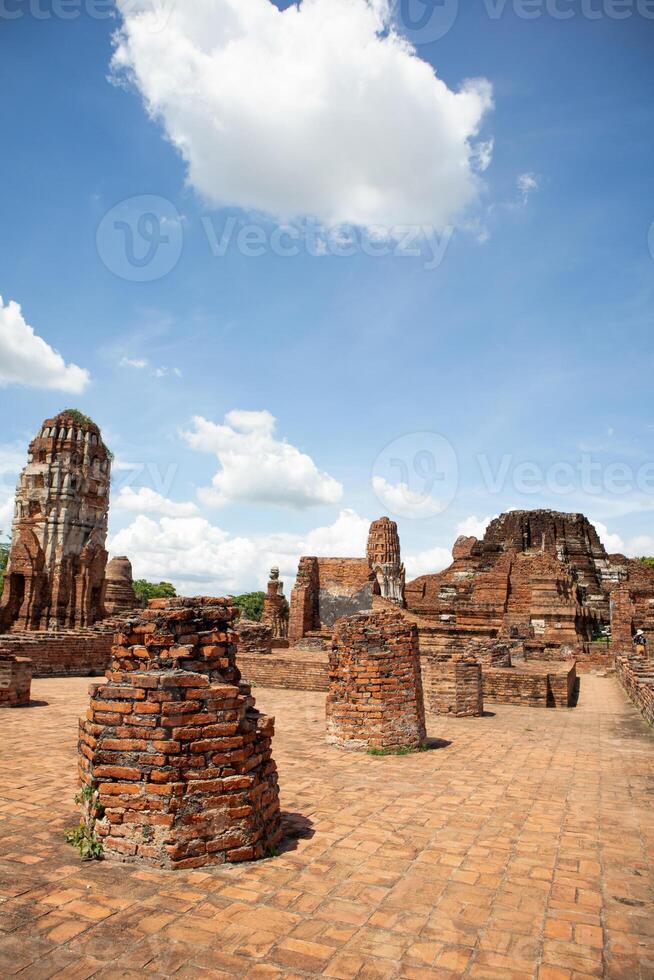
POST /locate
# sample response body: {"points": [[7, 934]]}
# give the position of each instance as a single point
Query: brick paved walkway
{"points": [[522, 849]]}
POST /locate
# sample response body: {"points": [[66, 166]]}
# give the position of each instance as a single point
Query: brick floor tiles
{"points": [[521, 846]]}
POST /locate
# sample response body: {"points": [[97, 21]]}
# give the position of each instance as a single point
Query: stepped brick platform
{"points": [[455, 688], [375, 697], [539, 685], [15, 681], [180, 755]]}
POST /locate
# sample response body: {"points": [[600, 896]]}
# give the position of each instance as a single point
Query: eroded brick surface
{"points": [[522, 848], [180, 755]]}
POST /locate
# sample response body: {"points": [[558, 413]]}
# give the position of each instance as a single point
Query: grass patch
{"points": [[401, 750]]}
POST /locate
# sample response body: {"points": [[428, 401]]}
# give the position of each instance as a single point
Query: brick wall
{"points": [[75, 653], [542, 688], [292, 671], [637, 679], [254, 637]]}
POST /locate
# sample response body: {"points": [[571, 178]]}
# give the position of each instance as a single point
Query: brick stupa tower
{"points": [[180, 755], [55, 575], [383, 553]]}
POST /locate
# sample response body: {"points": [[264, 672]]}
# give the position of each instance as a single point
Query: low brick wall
{"points": [[537, 686], [15, 681], [291, 671], [75, 653], [637, 679]]}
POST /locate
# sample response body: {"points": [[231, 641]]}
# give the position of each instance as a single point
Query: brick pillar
{"points": [[375, 697], [180, 754], [15, 681], [455, 687]]}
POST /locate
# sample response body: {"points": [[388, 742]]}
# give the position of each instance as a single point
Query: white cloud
{"points": [[526, 184], [26, 359], [321, 109], [133, 362], [400, 499], [148, 501], [612, 542], [427, 562], [473, 526], [200, 558], [255, 467], [641, 546], [6, 514]]}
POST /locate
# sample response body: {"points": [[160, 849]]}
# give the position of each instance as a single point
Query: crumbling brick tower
{"points": [[55, 575], [383, 553], [375, 697], [275, 607], [119, 596], [180, 755]]}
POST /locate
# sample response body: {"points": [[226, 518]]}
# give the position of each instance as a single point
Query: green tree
{"points": [[153, 590], [4, 558], [647, 561], [250, 604]]}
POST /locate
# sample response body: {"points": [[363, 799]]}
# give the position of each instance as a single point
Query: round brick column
{"points": [[375, 697]]}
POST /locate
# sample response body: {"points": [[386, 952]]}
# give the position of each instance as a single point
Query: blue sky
{"points": [[520, 335]]}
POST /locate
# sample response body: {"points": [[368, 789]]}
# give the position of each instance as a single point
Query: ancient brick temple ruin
{"points": [[182, 758], [327, 589], [55, 575], [375, 697], [119, 595], [275, 607]]}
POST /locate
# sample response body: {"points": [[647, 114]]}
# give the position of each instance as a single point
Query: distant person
{"points": [[640, 643]]}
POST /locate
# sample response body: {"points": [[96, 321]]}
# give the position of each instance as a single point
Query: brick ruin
{"points": [[15, 681], [55, 575], [61, 599], [327, 589], [174, 742], [253, 637], [119, 594], [455, 688], [275, 608], [375, 697]]}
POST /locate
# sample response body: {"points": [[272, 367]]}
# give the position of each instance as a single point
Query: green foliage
{"points": [[153, 590], [647, 561], [4, 559], [85, 837], [250, 604], [79, 418], [399, 750]]}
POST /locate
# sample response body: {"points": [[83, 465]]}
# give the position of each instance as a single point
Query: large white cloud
{"points": [[427, 562], [257, 468], [148, 501], [321, 109], [26, 359], [201, 558]]}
